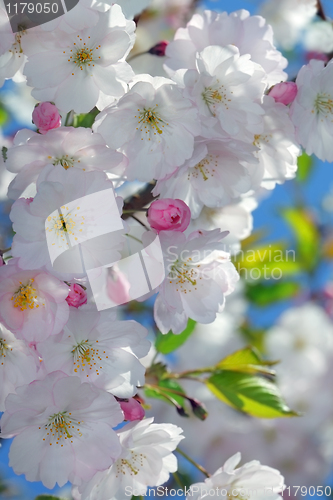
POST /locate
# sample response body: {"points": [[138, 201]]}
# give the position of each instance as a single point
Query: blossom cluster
{"points": [[214, 130]]}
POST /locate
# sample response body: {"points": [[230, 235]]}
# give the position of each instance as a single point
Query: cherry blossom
{"points": [[53, 223], [258, 481], [17, 365], [32, 303], [63, 430], [199, 275], [278, 147], [217, 86], [146, 460], [69, 147], [288, 19], [250, 34], [87, 68], [311, 111], [153, 125], [218, 173], [235, 218], [12, 57], [100, 350]]}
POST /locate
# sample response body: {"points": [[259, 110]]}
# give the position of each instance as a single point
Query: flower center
{"points": [[184, 274], [131, 465], [61, 426], [214, 96], [16, 48], [323, 104], [81, 55], [150, 121], [259, 139], [65, 161], [26, 296], [86, 357], [64, 224], [204, 168], [3, 349]]}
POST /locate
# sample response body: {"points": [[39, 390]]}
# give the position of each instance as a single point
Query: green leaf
{"points": [[247, 360], [305, 164], [306, 235], [250, 394], [265, 262], [170, 342], [85, 119], [263, 295], [47, 497]]}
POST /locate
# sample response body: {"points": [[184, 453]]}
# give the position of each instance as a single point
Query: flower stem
{"points": [[178, 480], [189, 459]]}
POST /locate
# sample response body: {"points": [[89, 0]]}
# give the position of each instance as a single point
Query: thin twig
{"points": [[189, 459], [320, 11]]}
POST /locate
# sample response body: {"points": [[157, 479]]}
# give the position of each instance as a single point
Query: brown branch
{"points": [[320, 11], [139, 200]]}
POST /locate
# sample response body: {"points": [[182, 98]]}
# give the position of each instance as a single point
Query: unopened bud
{"points": [[159, 49]]}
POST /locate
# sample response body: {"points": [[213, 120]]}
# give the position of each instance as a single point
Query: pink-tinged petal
{"points": [[53, 287], [113, 47], [68, 97], [12, 316], [40, 70], [26, 453]]}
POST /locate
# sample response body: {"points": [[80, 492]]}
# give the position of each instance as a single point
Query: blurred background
{"points": [[284, 302]]}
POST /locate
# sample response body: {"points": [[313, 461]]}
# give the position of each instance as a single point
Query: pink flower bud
{"points": [[118, 286], [132, 409], [159, 49], [284, 92], [169, 215], [46, 117], [2, 262], [77, 296]]}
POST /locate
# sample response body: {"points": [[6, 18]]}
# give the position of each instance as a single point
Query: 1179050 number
{"points": [[30, 8], [304, 491]]}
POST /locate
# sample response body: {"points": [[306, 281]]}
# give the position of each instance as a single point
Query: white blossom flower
{"points": [[154, 125], [318, 37], [227, 88], [12, 57], [252, 480], [32, 303], [199, 275], [66, 146], [53, 228], [17, 365], [303, 355], [278, 147], [312, 110], [100, 350], [131, 8], [235, 218], [250, 34], [218, 173], [288, 19], [63, 430], [146, 460], [85, 69]]}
